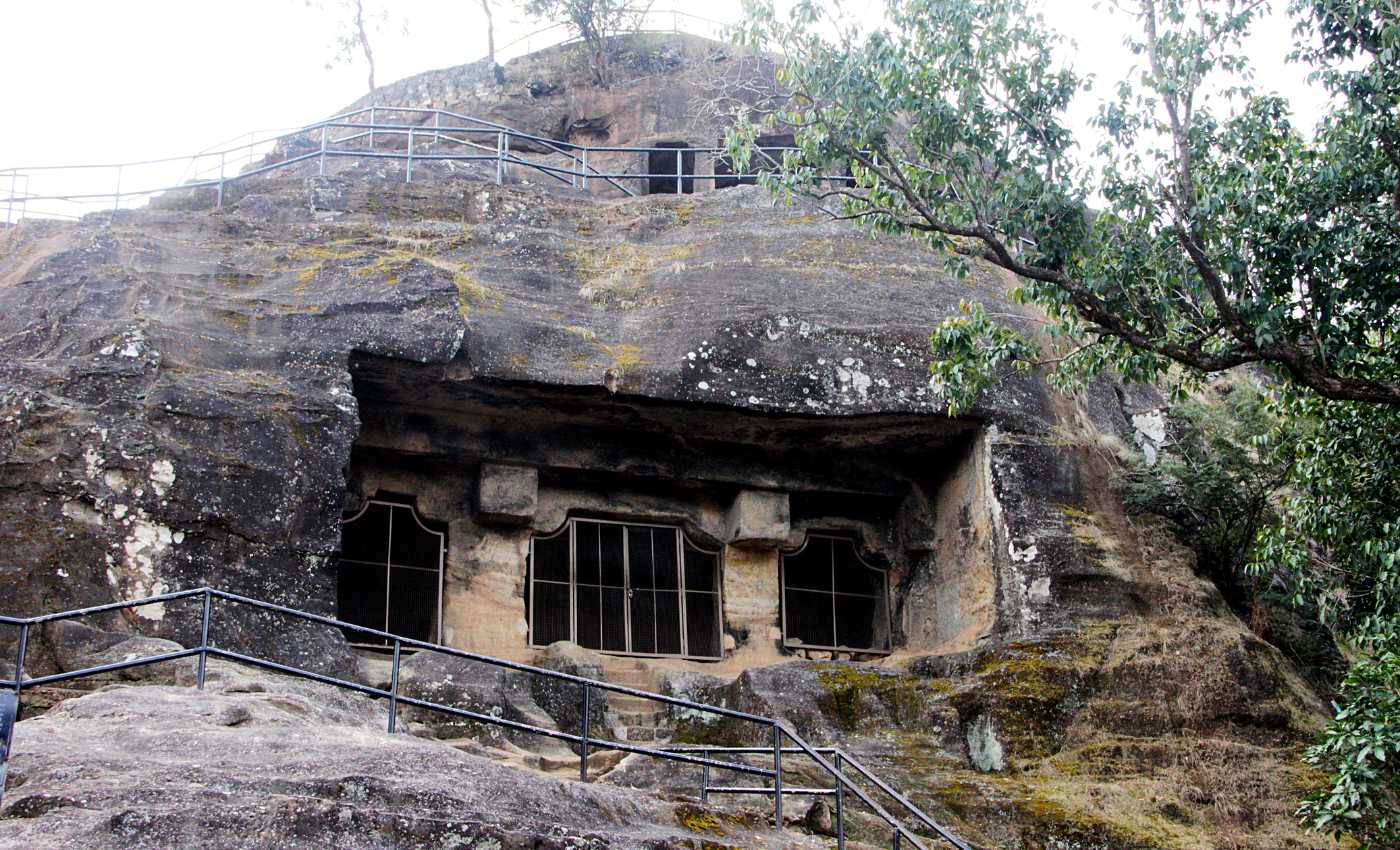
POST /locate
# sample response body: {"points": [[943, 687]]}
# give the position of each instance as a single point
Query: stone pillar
{"points": [[507, 493], [751, 595], [759, 518]]}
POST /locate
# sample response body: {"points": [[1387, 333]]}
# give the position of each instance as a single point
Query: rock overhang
{"points": [[227, 342], [720, 299]]}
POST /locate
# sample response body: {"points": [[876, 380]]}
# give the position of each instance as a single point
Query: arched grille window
{"points": [[629, 588], [833, 599], [390, 573]]}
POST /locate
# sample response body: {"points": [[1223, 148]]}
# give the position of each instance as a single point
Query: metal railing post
{"points": [[204, 625], [840, 762], [118, 196], [394, 688], [585, 169], [19, 668], [10, 204], [7, 724], [437, 125], [583, 735], [371, 128], [322, 172], [505, 147], [9, 710], [777, 776], [219, 201], [840, 806], [680, 161], [408, 170], [500, 158]]}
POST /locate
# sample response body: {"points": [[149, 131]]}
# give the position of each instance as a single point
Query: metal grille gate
{"points": [[628, 588]]}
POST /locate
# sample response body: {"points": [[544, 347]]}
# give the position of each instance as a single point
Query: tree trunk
{"points": [[490, 32], [364, 40]]}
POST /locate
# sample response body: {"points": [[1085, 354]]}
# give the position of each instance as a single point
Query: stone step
{"points": [[644, 735], [639, 679], [599, 761], [649, 719], [625, 704]]}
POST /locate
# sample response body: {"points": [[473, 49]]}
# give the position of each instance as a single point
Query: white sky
{"points": [[111, 80]]}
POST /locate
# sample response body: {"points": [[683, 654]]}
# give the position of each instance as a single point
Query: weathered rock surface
{"points": [[561, 699], [176, 386], [261, 761], [181, 387], [1177, 728], [477, 687]]}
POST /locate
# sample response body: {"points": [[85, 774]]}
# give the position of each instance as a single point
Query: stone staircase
{"points": [[638, 721], [633, 720]]}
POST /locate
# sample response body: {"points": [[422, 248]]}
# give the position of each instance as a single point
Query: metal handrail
{"points": [[583, 739], [839, 757], [577, 173], [904, 801]]}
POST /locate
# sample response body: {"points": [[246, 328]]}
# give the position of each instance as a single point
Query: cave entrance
{"points": [[832, 598], [768, 156], [667, 165], [389, 575], [627, 588]]}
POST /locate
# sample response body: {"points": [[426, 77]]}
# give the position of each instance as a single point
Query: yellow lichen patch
{"points": [[340, 250], [473, 293], [621, 355], [238, 280], [615, 274], [836, 255], [847, 686], [1074, 513], [697, 819], [1081, 814], [235, 320]]}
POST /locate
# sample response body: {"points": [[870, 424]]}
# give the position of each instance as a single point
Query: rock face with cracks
{"points": [[182, 390], [262, 761]]}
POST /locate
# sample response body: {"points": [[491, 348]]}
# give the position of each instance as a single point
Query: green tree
{"points": [[596, 23], [1336, 541], [1212, 477], [1199, 230]]}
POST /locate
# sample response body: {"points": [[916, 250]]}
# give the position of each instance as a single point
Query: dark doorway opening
{"points": [[833, 599], [662, 166], [629, 588], [768, 156], [390, 572]]}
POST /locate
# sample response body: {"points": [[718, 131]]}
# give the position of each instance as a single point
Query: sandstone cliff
{"points": [[182, 388]]}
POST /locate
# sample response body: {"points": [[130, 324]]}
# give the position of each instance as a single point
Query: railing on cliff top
{"points": [[784, 741], [71, 191], [371, 133]]}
